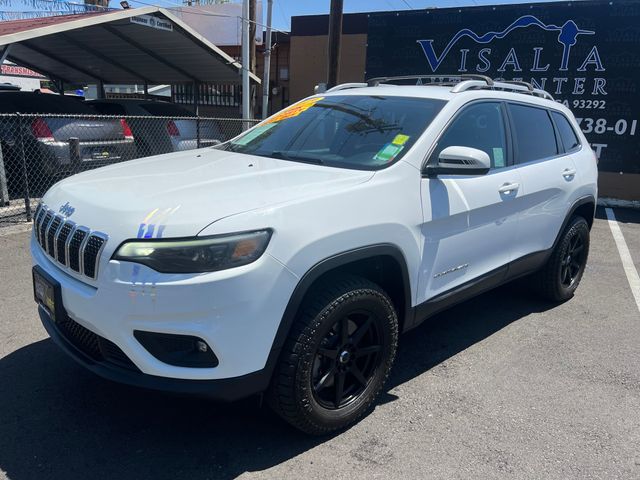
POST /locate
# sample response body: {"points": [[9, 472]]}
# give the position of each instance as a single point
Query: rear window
{"points": [[535, 136], [166, 110], [28, 102], [107, 108], [566, 131]]}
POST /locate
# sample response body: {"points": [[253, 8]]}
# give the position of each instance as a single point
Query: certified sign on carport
{"points": [[153, 22]]}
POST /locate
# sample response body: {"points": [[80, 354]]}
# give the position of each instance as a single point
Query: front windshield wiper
{"points": [[285, 155]]}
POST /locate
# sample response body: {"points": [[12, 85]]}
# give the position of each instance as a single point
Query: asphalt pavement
{"points": [[502, 386]]}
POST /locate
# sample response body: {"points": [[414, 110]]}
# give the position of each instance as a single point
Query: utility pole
{"points": [[245, 62], [335, 35], [267, 63], [252, 51], [252, 35]]}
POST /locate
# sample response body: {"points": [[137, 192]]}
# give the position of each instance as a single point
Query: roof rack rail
{"points": [[519, 82], [505, 85], [345, 86], [459, 82], [524, 87], [433, 79], [543, 94]]}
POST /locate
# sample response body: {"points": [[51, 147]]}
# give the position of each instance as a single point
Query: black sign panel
{"points": [[586, 54]]}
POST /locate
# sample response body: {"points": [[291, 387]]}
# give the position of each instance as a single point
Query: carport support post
{"points": [[196, 105], [5, 52], [267, 63], [25, 175], [246, 93], [4, 191], [74, 154]]}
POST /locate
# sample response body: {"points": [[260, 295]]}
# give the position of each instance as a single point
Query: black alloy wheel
{"points": [[346, 359], [337, 357], [573, 262], [559, 278]]}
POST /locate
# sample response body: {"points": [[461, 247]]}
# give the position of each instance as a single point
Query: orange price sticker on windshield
{"points": [[294, 110]]}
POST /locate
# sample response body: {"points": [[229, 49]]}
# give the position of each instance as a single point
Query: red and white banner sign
{"points": [[18, 71]]}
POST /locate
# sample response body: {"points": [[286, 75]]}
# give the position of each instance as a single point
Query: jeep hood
{"points": [[181, 193]]}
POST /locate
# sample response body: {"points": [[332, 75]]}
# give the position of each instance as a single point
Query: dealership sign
{"points": [[153, 22], [586, 54]]}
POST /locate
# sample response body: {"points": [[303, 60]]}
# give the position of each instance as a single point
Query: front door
{"points": [[470, 222]]}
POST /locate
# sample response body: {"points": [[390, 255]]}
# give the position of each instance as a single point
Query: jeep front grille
{"points": [[72, 246]]}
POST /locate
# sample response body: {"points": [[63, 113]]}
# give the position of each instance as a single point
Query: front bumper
{"points": [[228, 389], [236, 311]]}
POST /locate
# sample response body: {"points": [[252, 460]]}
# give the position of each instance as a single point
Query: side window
{"points": [[534, 134], [480, 126], [566, 131]]}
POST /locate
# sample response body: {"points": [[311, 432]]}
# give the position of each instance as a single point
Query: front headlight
{"points": [[196, 255]]}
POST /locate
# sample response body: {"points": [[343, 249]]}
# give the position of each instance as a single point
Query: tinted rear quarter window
{"points": [[566, 131], [534, 134]]}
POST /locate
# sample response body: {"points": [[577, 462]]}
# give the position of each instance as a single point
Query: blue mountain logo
{"points": [[567, 37]]}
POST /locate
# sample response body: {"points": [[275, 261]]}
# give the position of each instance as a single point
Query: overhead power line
{"points": [[65, 7]]}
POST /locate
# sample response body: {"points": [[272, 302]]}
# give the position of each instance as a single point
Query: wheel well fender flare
{"points": [[581, 202], [326, 266]]}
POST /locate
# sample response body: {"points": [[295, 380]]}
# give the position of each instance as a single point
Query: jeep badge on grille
{"points": [[66, 210]]}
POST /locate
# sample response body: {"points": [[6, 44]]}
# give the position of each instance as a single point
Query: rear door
{"points": [[548, 174], [470, 221]]}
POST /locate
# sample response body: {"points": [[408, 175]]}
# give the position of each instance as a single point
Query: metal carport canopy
{"points": [[133, 46]]}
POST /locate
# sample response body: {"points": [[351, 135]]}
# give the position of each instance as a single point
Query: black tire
{"points": [[313, 363], [561, 275]]}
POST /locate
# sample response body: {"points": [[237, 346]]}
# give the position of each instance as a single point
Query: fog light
{"points": [[177, 350]]}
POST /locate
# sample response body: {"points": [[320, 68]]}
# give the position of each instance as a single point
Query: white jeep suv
{"points": [[288, 259]]}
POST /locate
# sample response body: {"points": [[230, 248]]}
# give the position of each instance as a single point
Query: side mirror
{"points": [[460, 161]]}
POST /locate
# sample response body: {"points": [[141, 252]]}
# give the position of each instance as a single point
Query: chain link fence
{"points": [[36, 151]]}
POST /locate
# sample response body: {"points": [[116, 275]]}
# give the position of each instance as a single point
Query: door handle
{"points": [[509, 188], [569, 173]]}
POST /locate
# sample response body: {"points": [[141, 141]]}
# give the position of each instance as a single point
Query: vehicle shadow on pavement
{"points": [[452, 331], [58, 421]]}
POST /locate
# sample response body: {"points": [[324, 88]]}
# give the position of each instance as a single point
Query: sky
{"points": [[283, 10]]}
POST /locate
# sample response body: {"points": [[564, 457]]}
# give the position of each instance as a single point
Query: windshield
{"points": [[353, 131]]}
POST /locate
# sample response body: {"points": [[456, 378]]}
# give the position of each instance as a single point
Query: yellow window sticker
{"points": [[294, 110], [400, 139]]}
